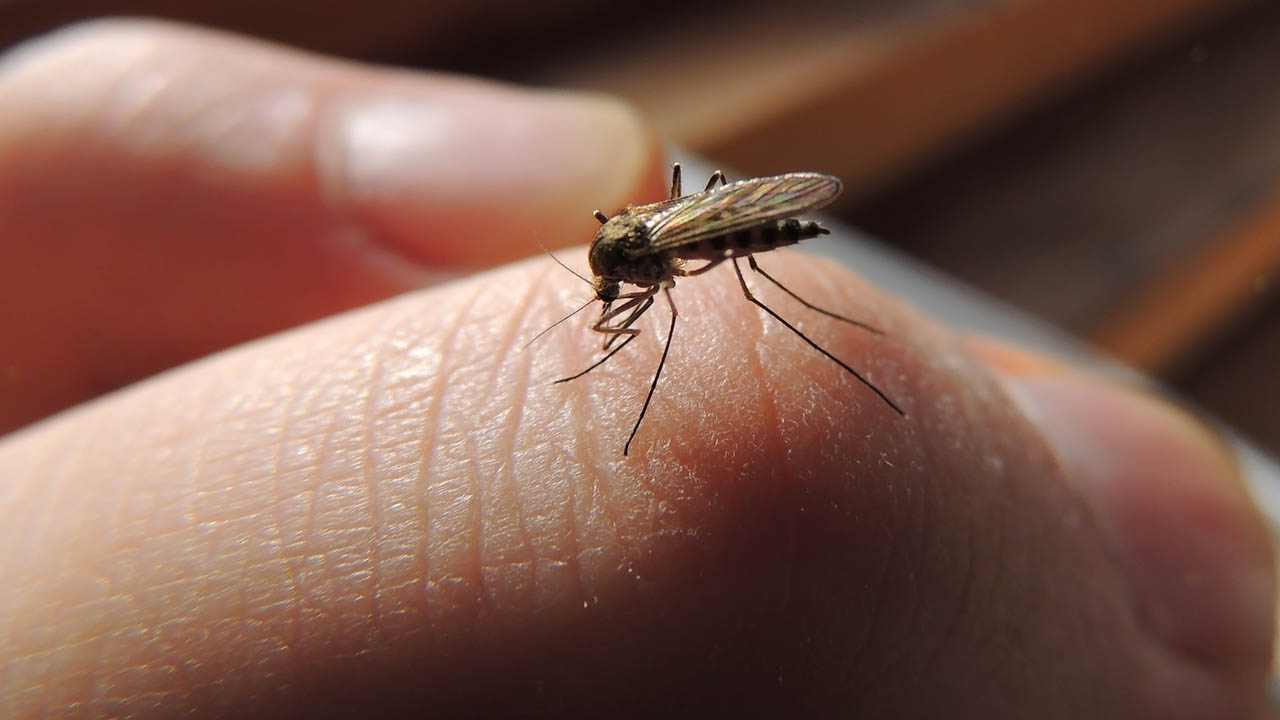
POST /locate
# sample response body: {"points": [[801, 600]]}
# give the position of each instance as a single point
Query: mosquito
{"points": [[647, 246]]}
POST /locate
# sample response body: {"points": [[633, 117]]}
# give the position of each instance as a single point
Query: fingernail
{"points": [[1170, 502], [448, 151]]}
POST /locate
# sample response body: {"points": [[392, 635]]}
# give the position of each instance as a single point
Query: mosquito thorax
{"points": [[621, 235], [622, 252]]}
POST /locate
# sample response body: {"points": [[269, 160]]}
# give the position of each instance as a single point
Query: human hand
{"points": [[390, 511]]}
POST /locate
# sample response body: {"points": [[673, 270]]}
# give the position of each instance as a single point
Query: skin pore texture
{"points": [[389, 509]]}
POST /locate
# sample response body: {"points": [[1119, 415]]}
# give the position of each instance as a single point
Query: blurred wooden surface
{"points": [[862, 90], [1237, 378], [1138, 189], [1141, 212]]}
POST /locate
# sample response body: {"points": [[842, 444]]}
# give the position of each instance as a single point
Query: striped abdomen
{"points": [[761, 238]]}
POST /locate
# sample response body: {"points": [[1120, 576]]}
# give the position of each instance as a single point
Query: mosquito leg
{"points": [[632, 299], [638, 293], [716, 177], [643, 298], [596, 364], [747, 291], [624, 327], [710, 264], [647, 302], [752, 262], [675, 180], [654, 385]]}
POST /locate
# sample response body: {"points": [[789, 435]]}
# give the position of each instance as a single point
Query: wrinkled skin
{"points": [[391, 511]]}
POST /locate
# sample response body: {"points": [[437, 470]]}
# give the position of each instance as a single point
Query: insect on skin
{"points": [[647, 246]]}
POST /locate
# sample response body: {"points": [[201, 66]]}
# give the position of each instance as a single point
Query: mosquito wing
{"points": [[737, 206]]}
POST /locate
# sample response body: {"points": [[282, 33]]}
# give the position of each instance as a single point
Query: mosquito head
{"points": [[607, 259], [606, 290]]}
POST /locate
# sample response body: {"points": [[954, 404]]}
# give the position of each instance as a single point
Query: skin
{"points": [[391, 511]]}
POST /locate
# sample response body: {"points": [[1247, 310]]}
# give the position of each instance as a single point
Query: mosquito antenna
{"points": [[561, 264], [553, 325]]}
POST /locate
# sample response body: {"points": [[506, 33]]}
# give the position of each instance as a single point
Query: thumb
{"points": [[1170, 505]]}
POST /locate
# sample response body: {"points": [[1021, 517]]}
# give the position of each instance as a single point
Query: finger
{"points": [[166, 192], [1169, 501], [393, 509]]}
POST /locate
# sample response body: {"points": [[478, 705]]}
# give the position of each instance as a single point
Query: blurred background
{"points": [[1113, 168]]}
